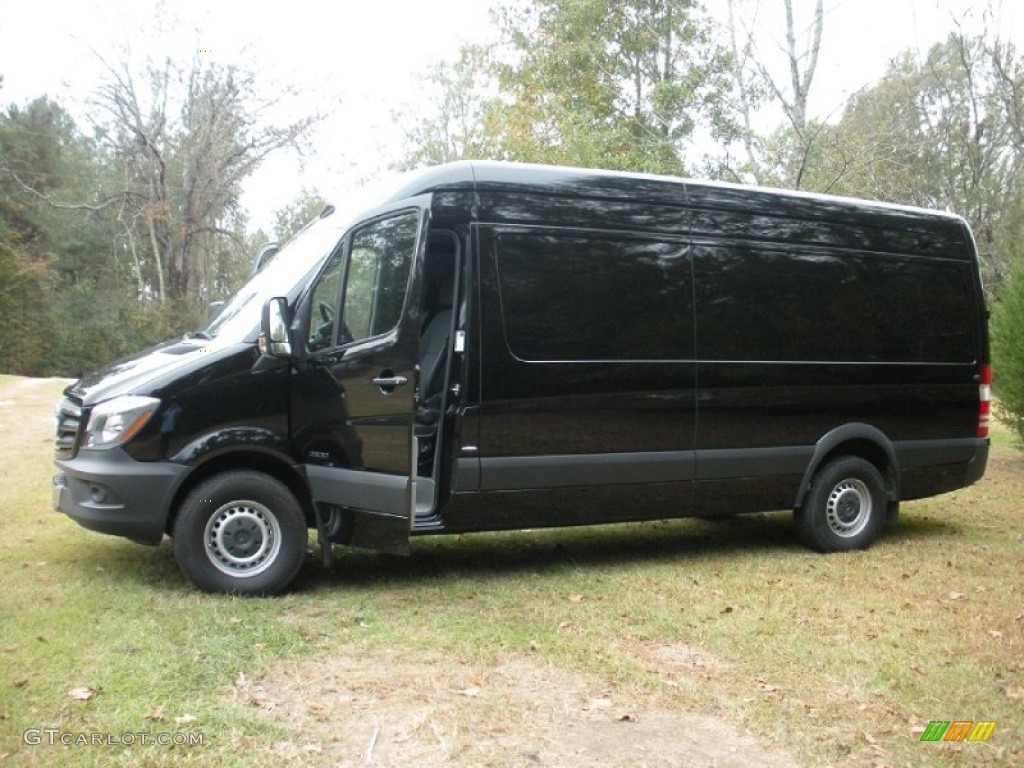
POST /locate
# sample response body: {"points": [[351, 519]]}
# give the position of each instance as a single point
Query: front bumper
{"points": [[109, 492]]}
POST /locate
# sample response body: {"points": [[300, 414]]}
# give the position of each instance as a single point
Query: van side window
{"points": [[750, 299], [378, 273], [592, 296]]}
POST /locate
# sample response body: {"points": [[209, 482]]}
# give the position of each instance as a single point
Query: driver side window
{"points": [[324, 305], [379, 263], [378, 275]]}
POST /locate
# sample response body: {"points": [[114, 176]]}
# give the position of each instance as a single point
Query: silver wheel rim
{"points": [[849, 507], [242, 538]]}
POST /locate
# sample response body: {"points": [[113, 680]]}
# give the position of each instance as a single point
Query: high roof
{"points": [[481, 174]]}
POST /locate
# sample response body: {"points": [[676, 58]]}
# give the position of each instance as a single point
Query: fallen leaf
{"points": [[82, 693]]}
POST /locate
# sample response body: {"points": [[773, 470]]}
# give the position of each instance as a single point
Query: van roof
{"points": [[589, 182]]}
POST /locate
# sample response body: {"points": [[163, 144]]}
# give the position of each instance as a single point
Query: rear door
{"points": [[355, 395]]}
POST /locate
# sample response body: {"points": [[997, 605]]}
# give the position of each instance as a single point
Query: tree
{"points": [[45, 245], [460, 91], [1008, 351], [941, 132], [186, 140], [605, 83], [788, 152], [291, 218]]}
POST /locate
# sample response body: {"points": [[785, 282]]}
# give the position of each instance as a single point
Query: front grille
{"points": [[69, 422]]}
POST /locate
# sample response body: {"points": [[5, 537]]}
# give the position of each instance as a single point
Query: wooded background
{"points": [[117, 231]]}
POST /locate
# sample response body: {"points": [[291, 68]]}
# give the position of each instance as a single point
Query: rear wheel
{"points": [[241, 532], [845, 507]]}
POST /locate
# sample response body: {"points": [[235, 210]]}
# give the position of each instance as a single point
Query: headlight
{"points": [[118, 420]]}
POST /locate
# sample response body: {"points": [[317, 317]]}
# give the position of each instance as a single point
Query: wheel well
{"points": [[864, 449], [252, 460]]}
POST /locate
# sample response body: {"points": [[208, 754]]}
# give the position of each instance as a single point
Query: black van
{"points": [[505, 346]]}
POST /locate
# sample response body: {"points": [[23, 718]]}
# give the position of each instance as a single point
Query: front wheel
{"points": [[845, 507], [241, 532]]}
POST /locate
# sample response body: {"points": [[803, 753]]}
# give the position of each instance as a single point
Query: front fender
{"points": [[227, 439]]}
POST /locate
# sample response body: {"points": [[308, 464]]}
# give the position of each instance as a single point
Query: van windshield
{"points": [[240, 320]]}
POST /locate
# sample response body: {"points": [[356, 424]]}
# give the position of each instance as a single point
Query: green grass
{"points": [[837, 659]]}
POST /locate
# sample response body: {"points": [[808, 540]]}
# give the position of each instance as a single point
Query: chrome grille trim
{"points": [[68, 420]]}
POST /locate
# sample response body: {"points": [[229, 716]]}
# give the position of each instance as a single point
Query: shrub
{"points": [[1008, 351]]}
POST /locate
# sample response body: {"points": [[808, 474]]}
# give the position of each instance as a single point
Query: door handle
{"points": [[387, 383]]}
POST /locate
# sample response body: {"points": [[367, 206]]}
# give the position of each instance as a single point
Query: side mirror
{"points": [[275, 339]]}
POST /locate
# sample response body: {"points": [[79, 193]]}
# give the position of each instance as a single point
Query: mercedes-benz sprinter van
{"points": [[498, 346]]}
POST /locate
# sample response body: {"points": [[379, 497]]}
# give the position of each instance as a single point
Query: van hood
{"points": [[145, 372]]}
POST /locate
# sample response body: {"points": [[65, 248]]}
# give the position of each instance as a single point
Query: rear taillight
{"points": [[984, 399]]}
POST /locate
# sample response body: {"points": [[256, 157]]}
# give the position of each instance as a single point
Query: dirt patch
{"points": [[385, 710]]}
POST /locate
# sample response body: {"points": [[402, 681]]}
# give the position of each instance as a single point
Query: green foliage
{"points": [[1008, 351], [460, 91], [288, 220], [111, 242], [23, 316], [606, 83], [940, 132], [597, 83]]}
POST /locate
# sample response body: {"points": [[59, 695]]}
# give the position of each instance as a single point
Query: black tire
{"points": [[845, 507], [240, 532]]}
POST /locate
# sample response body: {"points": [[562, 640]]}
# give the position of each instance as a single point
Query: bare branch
{"points": [[98, 206]]}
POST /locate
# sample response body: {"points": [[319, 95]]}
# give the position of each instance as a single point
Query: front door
{"points": [[354, 395]]}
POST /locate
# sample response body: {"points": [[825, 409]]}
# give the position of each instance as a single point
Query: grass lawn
{"points": [[835, 660]]}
